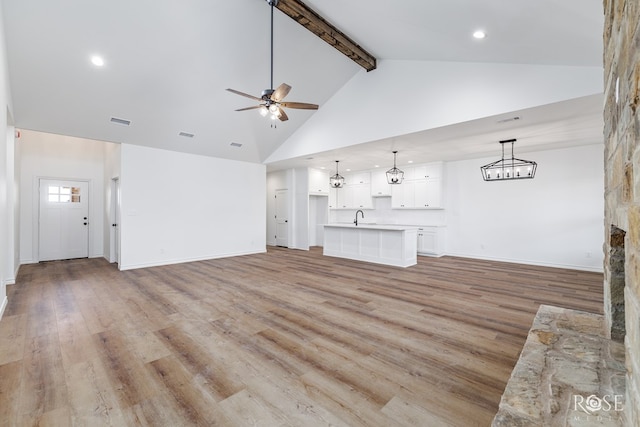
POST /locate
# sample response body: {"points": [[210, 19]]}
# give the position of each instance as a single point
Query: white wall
{"points": [[45, 155], [555, 219], [402, 97], [300, 206], [112, 154], [179, 207], [7, 179]]}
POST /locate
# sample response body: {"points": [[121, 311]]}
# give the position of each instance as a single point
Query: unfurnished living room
{"points": [[320, 213]]}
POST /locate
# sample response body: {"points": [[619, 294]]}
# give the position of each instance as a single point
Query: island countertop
{"points": [[375, 226]]}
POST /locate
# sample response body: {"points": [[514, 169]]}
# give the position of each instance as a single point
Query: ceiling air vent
{"points": [[186, 134], [509, 119], [236, 144], [120, 121]]}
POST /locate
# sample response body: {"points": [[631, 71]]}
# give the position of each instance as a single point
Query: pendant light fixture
{"points": [[395, 175], [506, 169], [337, 180]]}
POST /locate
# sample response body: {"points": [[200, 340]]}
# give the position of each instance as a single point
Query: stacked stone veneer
{"points": [[622, 183], [566, 362]]}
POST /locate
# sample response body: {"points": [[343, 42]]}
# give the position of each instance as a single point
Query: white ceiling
{"points": [[168, 64]]}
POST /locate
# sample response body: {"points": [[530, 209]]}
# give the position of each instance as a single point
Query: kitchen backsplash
{"points": [[383, 214]]}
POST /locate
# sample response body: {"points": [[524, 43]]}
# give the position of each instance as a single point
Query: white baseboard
{"points": [[124, 267], [529, 262], [3, 306]]}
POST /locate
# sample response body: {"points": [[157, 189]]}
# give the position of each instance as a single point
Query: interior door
{"points": [[63, 220], [282, 218], [115, 224]]}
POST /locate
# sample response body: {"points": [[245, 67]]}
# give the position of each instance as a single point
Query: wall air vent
{"points": [[186, 134], [235, 144], [120, 121]]}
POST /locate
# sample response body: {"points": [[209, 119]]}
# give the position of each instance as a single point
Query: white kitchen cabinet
{"points": [[431, 240], [318, 182], [379, 185], [333, 198], [433, 170], [351, 196], [428, 193], [421, 188], [403, 195], [358, 178], [355, 194]]}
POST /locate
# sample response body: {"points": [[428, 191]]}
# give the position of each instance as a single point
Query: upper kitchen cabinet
{"points": [[318, 182], [379, 185], [356, 193], [420, 189]]}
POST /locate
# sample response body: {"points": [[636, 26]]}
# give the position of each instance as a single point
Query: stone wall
{"points": [[622, 183]]}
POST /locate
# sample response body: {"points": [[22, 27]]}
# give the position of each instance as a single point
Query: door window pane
{"points": [[58, 194]]}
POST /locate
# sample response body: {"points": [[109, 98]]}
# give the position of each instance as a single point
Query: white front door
{"points": [[282, 218], [64, 219]]}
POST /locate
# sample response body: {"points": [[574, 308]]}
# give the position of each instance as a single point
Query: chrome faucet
{"points": [[355, 221]]}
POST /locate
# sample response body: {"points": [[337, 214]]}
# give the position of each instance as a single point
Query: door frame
{"points": [[287, 210], [36, 212], [114, 218]]}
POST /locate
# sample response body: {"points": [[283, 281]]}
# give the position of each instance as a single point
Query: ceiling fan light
{"points": [[273, 108], [264, 111]]}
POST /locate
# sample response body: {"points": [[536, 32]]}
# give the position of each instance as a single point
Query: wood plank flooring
{"points": [[285, 338]]}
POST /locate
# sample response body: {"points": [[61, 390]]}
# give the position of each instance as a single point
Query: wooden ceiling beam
{"points": [[308, 18]]}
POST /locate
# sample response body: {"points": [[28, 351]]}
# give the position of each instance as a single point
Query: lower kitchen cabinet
{"points": [[431, 240]]}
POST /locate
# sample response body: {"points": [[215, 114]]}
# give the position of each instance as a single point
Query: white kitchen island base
{"points": [[381, 244]]}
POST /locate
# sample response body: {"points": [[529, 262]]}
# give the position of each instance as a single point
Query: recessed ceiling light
{"points": [[348, 170], [410, 161], [322, 167], [376, 166], [186, 134], [97, 60], [236, 144], [479, 34]]}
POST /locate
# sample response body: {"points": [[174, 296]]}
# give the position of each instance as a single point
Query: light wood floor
{"points": [[286, 338]]}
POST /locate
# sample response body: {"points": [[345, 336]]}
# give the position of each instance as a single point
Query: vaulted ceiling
{"points": [[168, 63]]}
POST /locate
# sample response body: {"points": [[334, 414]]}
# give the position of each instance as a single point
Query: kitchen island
{"points": [[381, 244]]}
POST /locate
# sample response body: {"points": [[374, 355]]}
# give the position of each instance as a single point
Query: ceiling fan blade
{"points": [[283, 116], [299, 105], [280, 92], [237, 92], [249, 108]]}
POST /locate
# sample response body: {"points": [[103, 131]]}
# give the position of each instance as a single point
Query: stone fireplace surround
{"points": [[534, 394], [622, 189]]}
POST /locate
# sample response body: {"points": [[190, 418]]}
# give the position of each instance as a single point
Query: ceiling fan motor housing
{"points": [[272, 2], [266, 94]]}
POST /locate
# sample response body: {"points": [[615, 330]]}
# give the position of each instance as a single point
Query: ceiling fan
{"points": [[271, 100]]}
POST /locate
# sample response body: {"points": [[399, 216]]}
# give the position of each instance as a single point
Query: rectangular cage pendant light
{"points": [[507, 169]]}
